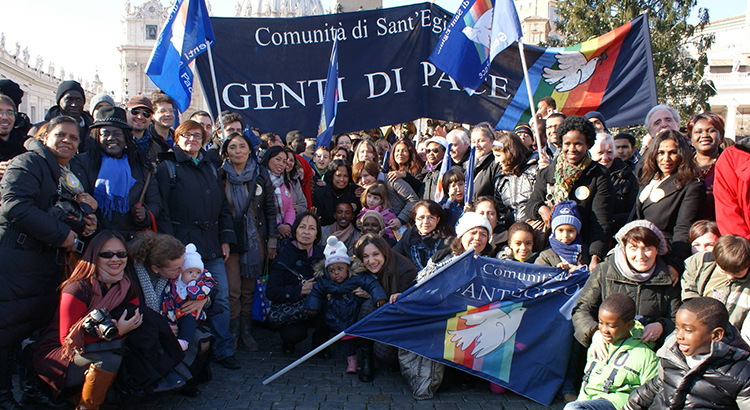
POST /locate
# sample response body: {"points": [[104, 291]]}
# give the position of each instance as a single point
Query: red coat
{"points": [[732, 192], [306, 178]]}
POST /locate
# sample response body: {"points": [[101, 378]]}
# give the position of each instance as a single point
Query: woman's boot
{"points": [[7, 401], [364, 361], [246, 333], [95, 388], [234, 329]]}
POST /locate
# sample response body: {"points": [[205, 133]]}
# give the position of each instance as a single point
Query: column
{"points": [[730, 122]]}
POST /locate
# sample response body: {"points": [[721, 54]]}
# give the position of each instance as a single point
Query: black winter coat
{"points": [[655, 299], [87, 169], [285, 286], [594, 204], [721, 381], [29, 238], [624, 192], [195, 209], [420, 249], [13, 146], [326, 200], [674, 214], [485, 175]]}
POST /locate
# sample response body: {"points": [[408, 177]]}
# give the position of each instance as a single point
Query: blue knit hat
{"points": [[566, 213]]}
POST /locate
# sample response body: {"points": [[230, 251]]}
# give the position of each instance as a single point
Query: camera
{"points": [[99, 323]]}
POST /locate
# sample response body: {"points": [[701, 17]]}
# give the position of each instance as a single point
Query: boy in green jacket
{"points": [[618, 360]]}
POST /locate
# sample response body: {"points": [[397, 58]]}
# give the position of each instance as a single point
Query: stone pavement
{"points": [[322, 384]]}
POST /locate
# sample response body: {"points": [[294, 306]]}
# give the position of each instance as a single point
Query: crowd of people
{"points": [[134, 247]]}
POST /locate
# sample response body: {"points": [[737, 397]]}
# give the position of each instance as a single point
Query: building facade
{"points": [[729, 70], [39, 83], [537, 19]]}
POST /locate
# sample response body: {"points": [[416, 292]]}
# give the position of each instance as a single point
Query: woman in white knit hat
{"points": [[473, 231]]}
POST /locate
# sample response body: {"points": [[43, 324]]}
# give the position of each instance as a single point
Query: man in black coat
{"points": [[69, 101]]}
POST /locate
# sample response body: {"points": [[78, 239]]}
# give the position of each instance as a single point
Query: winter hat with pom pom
{"points": [[336, 252], [192, 258]]}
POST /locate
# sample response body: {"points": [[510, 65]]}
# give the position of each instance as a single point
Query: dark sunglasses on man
{"points": [[142, 111]]}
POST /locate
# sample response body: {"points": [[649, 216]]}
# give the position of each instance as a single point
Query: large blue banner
{"points": [[507, 322], [272, 71]]}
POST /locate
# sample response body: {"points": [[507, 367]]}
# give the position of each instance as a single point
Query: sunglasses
{"points": [[432, 150], [146, 113], [110, 255]]}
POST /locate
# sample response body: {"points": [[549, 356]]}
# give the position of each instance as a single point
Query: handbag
{"points": [[260, 302], [288, 313]]}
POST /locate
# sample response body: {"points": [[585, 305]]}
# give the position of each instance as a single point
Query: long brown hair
{"points": [[86, 268], [415, 163], [387, 275], [686, 168], [515, 152]]}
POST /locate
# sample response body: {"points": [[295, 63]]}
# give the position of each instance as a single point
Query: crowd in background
{"points": [[165, 229]]}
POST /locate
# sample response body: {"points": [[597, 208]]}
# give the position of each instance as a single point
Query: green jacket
{"points": [[630, 364], [736, 295]]}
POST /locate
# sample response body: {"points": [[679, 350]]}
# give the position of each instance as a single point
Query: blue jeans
{"points": [[598, 404], [218, 313]]}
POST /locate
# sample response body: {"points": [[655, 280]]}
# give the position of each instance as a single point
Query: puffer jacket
{"points": [[734, 293], [593, 195], [721, 381], [629, 364], [624, 192], [655, 299], [342, 307], [514, 191], [548, 257]]}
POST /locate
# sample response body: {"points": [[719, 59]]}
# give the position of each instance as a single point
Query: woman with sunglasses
{"points": [[114, 172], [196, 211], [76, 352]]}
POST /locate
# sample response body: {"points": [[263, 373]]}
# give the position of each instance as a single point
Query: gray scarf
{"points": [[153, 298], [242, 190]]}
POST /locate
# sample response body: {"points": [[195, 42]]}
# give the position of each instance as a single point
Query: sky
{"points": [[83, 38]]}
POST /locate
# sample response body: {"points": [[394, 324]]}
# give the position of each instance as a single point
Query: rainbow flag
{"points": [[504, 321], [612, 74]]}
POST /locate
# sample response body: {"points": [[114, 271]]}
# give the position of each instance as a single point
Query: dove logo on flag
{"points": [[480, 30], [572, 70], [483, 338]]}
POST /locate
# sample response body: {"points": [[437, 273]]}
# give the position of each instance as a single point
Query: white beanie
{"points": [[335, 252], [470, 220], [438, 140], [192, 258]]}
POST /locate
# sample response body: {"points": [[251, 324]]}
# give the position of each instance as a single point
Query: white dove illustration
{"points": [[482, 30], [490, 329], [573, 70]]}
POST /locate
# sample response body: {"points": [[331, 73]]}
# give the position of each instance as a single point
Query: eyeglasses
{"points": [[141, 111], [432, 150], [428, 218], [110, 255], [107, 133], [192, 135], [9, 114]]}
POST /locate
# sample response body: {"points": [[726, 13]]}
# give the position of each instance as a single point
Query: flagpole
{"points": [[216, 90], [303, 358], [533, 121]]}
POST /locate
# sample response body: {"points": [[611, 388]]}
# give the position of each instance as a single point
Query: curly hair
{"points": [[580, 124]]}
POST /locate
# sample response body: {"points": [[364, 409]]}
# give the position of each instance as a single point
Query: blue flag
{"points": [[478, 32], [507, 322], [330, 99], [469, 181], [182, 39]]}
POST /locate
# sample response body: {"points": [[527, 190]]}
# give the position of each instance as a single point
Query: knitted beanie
{"points": [[192, 258], [566, 213], [12, 90], [67, 86], [335, 252], [470, 220]]}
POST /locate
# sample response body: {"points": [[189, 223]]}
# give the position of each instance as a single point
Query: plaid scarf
{"points": [[566, 175]]}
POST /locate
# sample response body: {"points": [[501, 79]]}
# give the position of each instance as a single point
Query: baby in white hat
{"points": [[194, 283]]}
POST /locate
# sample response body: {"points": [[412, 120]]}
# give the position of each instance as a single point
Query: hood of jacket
{"points": [[355, 268]]}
